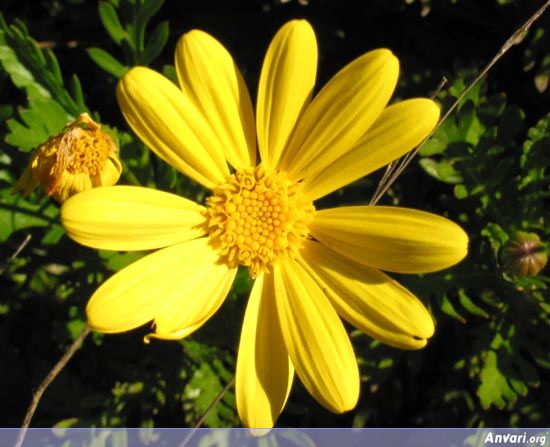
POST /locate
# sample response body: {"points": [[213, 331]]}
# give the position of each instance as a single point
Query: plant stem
{"points": [[46, 383], [16, 253]]}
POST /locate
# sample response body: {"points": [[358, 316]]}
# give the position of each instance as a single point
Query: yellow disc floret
{"points": [[255, 216]]}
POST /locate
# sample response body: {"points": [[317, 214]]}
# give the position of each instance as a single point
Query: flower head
{"points": [[80, 157], [311, 267]]}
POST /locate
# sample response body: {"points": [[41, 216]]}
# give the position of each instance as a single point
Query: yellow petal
{"points": [[391, 238], [110, 173], [198, 299], [72, 184], [285, 88], [399, 129], [171, 125], [131, 218], [264, 371], [183, 276], [341, 113], [369, 299], [314, 335], [212, 81]]}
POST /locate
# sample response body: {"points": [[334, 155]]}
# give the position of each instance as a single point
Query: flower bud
{"points": [[82, 156], [523, 255]]}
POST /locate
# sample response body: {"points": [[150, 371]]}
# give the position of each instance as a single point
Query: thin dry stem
{"points": [[46, 383], [389, 178], [16, 253], [215, 402], [397, 164]]}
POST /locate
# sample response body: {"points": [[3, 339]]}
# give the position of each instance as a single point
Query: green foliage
{"points": [[215, 369], [501, 184], [41, 120], [36, 71], [130, 36], [17, 214]]}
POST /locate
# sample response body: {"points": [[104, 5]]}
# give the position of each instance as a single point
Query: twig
{"points": [[395, 165], [46, 383], [215, 402], [14, 255], [514, 39]]}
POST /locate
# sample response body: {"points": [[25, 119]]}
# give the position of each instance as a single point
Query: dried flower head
{"points": [[82, 156]]}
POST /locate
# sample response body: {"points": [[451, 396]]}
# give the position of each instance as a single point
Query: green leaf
{"points": [[107, 62], [156, 43], [496, 235], [448, 308], [53, 65], [16, 214], [41, 120], [519, 386], [147, 10], [456, 88], [31, 68], [21, 77], [494, 388], [469, 127], [75, 328], [53, 235], [443, 170], [111, 22], [202, 390], [460, 191], [76, 91], [117, 261], [435, 145], [470, 306]]}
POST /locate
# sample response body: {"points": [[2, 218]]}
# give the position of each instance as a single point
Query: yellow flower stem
{"points": [[400, 166], [69, 353]]}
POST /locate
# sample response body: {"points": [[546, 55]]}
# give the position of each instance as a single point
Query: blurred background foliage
{"points": [[488, 364]]}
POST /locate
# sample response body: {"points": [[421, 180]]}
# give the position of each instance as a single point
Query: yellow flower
{"points": [[311, 267], [80, 157]]}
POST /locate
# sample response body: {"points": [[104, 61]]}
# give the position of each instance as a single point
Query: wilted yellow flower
{"points": [[82, 156], [311, 267]]}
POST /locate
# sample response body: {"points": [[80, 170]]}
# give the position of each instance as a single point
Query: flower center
{"points": [[255, 216], [84, 147]]}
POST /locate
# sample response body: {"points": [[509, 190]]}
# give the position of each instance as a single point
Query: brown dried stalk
{"points": [[397, 167]]}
